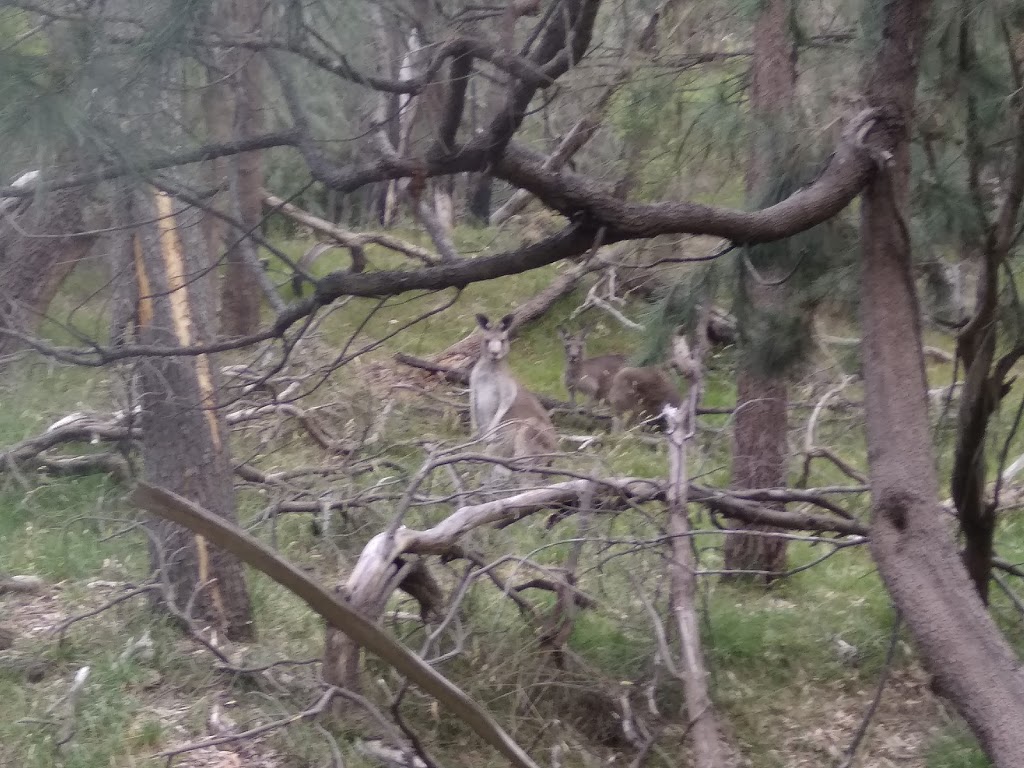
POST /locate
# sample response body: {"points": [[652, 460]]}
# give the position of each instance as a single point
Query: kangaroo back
{"points": [[591, 376], [642, 393]]}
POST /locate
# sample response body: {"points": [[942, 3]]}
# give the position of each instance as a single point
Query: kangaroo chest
{"points": [[490, 393]]}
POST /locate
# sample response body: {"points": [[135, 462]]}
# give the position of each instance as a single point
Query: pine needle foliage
{"points": [[809, 267]]}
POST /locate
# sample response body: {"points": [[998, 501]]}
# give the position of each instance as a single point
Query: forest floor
{"points": [[792, 691]]}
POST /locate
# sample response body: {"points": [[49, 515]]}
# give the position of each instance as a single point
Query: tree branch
{"points": [[338, 613]]}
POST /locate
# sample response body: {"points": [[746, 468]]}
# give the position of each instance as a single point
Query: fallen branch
{"points": [[309, 713], [338, 613], [347, 238]]}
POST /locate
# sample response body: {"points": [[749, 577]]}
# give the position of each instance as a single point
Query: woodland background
{"points": [[242, 249]]}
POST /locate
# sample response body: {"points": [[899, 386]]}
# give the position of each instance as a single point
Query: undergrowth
{"points": [[774, 655]]}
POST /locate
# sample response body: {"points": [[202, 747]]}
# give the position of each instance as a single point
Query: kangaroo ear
{"points": [[562, 333], [482, 321], [506, 322]]}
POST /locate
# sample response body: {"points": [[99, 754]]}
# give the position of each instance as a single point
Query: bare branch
{"points": [[337, 612]]}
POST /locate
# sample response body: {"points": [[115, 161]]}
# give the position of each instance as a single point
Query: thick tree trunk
{"points": [[911, 540], [760, 458], [36, 258], [184, 436], [240, 300], [760, 451]]}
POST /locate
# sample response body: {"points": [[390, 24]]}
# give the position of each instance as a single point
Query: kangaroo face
{"points": [[495, 344], [575, 344]]}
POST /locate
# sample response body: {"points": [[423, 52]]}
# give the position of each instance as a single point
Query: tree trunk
{"points": [[760, 457], [240, 300], [480, 199], [184, 435], [216, 104], [760, 451], [911, 540], [36, 258]]}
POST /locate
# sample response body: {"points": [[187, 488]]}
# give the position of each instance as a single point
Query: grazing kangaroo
{"points": [[592, 376], [641, 393], [502, 411]]}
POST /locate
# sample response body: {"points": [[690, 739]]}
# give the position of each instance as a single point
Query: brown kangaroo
{"points": [[641, 393], [591, 376], [503, 412]]}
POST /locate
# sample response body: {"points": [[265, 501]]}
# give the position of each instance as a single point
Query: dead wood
{"points": [[339, 613], [354, 241], [21, 585], [577, 137]]}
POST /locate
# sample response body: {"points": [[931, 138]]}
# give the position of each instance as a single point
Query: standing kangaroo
{"points": [[592, 376], [641, 393], [502, 411]]}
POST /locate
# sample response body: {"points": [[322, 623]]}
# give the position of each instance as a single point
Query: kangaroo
{"points": [[502, 411], [593, 376], [641, 393]]}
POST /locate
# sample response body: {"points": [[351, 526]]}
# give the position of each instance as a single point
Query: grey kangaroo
{"points": [[502, 411], [641, 393], [591, 376]]}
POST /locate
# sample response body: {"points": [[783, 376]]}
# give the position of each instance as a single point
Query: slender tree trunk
{"points": [[185, 438], [216, 105], [480, 193], [240, 301], [911, 540], [760, 451]]}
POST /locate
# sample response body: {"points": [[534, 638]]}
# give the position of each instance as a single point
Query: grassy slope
{"points": [[789, 698]]}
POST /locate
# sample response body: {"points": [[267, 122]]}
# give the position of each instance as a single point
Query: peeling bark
{"points": [[185, 441]]}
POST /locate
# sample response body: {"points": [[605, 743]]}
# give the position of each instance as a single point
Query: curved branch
{"points": [[338, 613]]}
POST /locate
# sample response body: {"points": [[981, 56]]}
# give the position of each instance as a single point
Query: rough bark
{"points": [[240, 299], [760, 450], [36, 256], [979, 399], [184, 436], [911, 541]]}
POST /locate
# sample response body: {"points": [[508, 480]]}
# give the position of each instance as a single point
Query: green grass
{"points": [[956, 748]]}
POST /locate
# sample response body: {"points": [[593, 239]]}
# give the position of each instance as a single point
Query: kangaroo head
{"points": [[495, 344], [574, 343]]}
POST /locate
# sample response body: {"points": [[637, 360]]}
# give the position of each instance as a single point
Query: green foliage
{"points": [[775, 335], [677, 307], [170, 30]]}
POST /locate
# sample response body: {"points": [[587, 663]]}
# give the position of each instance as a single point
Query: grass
{"points": [[772, 655]]}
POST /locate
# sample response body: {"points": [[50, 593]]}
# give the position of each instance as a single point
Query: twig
{"points": [[63, 627], [858, 737], [319, 707]]}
